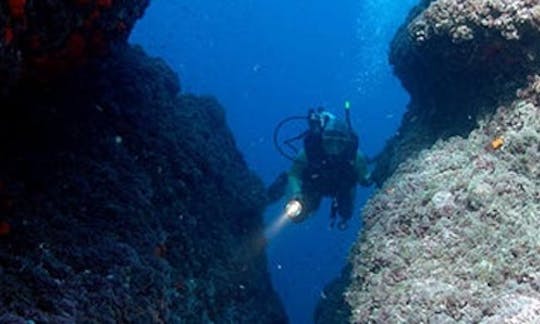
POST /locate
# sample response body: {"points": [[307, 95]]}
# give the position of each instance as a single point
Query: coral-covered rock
{"points": [[45, 38], [332, 306], [459, 60], [470, 40], [130, 203], [452, 236]]}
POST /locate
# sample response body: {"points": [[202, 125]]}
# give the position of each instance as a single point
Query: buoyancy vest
{"points": [[324, 169]]}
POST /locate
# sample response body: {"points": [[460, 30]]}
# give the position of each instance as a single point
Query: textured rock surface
{"points": [[120, 200], [459, 60], [127, 203], [47, 38], [453, 235], [332, 306]]}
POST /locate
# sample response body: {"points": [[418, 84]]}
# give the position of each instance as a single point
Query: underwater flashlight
{"points": [[347, 104], [293, 208]]}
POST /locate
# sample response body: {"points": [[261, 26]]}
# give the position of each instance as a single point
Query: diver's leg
{"points": [[345, 205]]}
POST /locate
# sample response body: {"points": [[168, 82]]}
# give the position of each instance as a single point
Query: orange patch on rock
{"points": [[497, 143], [75, 46], [5, 228], [16, 8], [8, 35], [104, 3]]}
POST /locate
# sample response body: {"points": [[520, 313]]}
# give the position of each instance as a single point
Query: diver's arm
{"points": [[295, 175], [277, 188], [363, 175]]}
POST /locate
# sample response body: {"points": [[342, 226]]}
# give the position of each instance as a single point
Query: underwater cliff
{"points": [[121, 199], [453, 233]]}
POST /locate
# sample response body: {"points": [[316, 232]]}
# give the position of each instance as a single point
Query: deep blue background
{"points": [[265, 60]]}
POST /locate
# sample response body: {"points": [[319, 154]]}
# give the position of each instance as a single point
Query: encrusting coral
{"points": [[127, 202], [121, 199], [465, 20], [49, 38], [459, 60], [454, 234]]}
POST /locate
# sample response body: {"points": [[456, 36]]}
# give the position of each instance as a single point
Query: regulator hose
{"points": [[277, 129]]}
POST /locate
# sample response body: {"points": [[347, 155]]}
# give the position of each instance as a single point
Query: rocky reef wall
{"points": [[41, 39], [459, 60], [121, 200], [452, 234]]}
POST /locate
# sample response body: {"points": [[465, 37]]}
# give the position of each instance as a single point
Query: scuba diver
{"points": [[329, 165]]}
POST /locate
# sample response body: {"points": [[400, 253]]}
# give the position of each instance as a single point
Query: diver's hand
{"points": [[276, 190], [294, 208], [297, 196]]}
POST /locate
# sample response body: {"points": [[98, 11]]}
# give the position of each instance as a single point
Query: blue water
{"points": [[266, 60]]}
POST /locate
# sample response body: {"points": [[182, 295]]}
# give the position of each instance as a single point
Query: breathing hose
{"points": [[276, 135]]}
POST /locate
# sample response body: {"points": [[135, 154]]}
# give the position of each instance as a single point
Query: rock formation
{"points": [[452, 234], [121, 200], [459, 60]]}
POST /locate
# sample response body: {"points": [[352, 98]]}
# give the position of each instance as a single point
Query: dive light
{"points": [[293, 208]]}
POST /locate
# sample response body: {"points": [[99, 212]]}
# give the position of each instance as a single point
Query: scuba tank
{"points": [[318, 120]]}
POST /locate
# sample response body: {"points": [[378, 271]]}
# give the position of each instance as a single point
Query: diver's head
{"points": [[336, 137], [319, 119]]}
